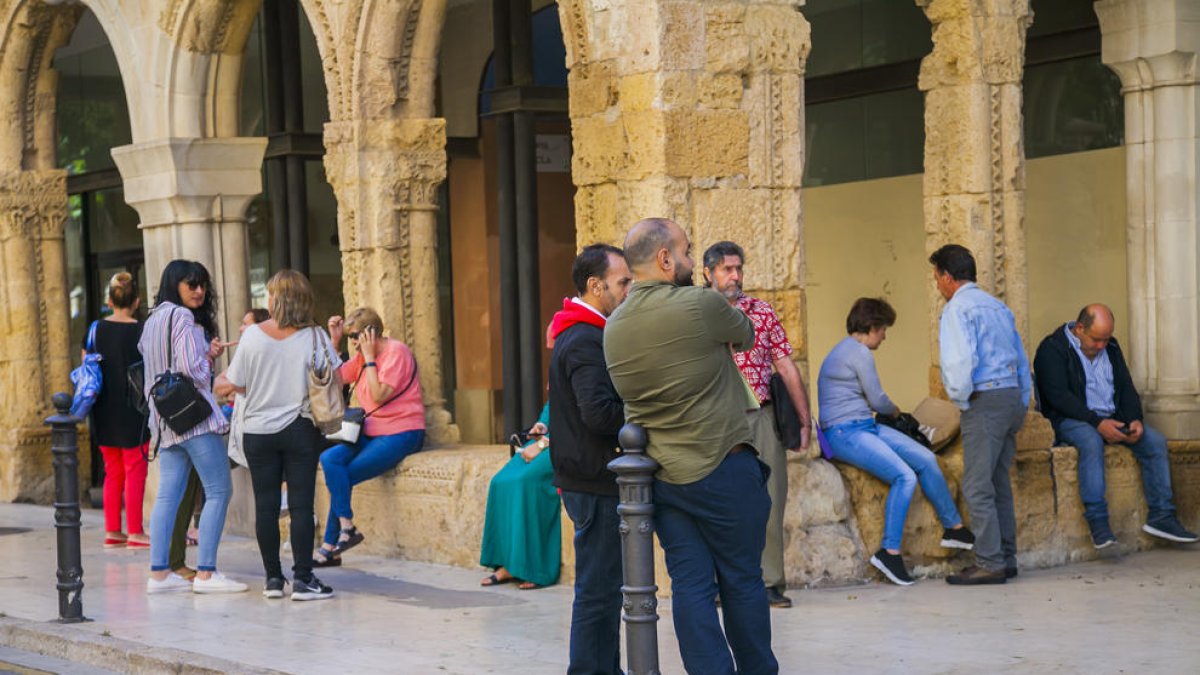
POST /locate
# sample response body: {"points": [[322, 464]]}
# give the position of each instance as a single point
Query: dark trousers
{"points": [[183, 518], [989, 431], [713, 532], [596, 613], [290, 455]]}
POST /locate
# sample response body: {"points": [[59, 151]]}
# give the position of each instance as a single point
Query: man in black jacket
{"points": [[1085, 390], [586, 413]]}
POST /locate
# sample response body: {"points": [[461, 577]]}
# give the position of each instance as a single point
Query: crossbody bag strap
{"points": [[91, 343], [171, 338], [393, 397]]}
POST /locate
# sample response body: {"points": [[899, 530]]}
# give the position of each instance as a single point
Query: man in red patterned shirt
{"points": [[771, 352]]}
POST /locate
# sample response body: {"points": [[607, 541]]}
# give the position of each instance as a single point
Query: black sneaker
{"points": [[1170, 529], [274, 587], [1010, 572], [310, 589], [960, 538], [776, 598], [1102, 534], [892, 566]]}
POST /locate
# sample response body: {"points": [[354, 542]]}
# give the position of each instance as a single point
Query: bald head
{"points": [[1098, 316], [657, 248], [1094, 328]]}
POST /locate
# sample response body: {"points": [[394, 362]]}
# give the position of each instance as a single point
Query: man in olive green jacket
{"points": [[668, 350]]}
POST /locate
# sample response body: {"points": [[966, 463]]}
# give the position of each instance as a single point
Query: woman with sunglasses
{"points": [[181, 336], [384, 374]]}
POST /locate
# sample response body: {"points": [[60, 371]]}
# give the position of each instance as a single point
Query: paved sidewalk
{"points": [[1133, 614]]}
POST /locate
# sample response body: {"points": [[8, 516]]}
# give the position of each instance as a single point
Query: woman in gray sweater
{"points": [[848, 391]]}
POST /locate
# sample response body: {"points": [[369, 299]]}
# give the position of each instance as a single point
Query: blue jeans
{"points": [[207, 453], [348, 465], [713, 532], [1151, 453], [898, 461], [596, 613]]}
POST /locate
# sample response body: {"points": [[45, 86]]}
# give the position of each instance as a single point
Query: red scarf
{"points": [[571, 314]]}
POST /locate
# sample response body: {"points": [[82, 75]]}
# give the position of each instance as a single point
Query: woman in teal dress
{"points": [[521, 531]]}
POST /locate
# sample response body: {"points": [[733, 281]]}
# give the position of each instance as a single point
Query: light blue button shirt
{"points": [[980, 347], [1101, 392]]}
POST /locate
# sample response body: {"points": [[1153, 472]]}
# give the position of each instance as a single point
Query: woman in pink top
{"points": [[386, 385]]}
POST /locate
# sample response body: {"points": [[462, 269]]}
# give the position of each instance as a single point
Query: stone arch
{"points": [[379, 56], [185, 83], [32, 33]]}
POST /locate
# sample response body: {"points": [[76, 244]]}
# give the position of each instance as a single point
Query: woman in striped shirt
{"points": [[181, 336]]}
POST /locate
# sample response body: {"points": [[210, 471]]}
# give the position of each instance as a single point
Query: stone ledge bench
{"points": [[431, 509]]}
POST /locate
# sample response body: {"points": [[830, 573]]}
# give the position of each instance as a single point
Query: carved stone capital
{"points": [[975, 41], [191, 180], [33, 204]]}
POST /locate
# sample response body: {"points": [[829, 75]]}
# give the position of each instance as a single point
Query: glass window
{"points": [[855, 34], [872, 136], [1058, 16], [549, 57], [324, 254], [93, 116], [312, 77], [1072, 106], [253, 95]]}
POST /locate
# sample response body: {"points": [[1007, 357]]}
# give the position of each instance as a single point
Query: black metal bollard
{"points": [[65, 446], [635, 477]]}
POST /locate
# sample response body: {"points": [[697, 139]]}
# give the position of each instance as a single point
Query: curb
{"points": [[82, 646]]}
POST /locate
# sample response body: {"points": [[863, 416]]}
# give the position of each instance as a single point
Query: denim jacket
{"points": [[980, 347]]}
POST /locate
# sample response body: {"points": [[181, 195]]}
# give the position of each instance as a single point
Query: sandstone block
{"points": [[592, 89], [958, 143], [1185, 482], [638, 92], [681, 34], [599, 150], [789, 305], [780, 38], [723, 90], [822, 554], [726, 44], [817, 495], [724, 151]]}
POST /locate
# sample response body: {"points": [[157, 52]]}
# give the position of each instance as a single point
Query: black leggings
{"points": [[292, 454]]}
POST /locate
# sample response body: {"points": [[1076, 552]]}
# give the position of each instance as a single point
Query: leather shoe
{"points": [[974, 576], [1010, 572], [776, 598]]}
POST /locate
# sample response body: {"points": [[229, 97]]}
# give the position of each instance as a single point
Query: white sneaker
{"points": [[173, 583], [218, 583]]}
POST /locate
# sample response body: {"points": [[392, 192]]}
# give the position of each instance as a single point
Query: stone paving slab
{"points": [[1127, 614]]}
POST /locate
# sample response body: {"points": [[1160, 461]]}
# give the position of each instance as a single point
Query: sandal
{"points": [[327, 558], [115, 542], [193, 537], [137, 544], [348, 539], [494, 580], [528, 586]]}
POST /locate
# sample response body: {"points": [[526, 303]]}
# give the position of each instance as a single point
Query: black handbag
{"points": [[787, 422], [179, 404], [906, 424]]}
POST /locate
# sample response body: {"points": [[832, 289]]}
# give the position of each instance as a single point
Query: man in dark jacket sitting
{"points": [[1085, 390], [586, 413]]}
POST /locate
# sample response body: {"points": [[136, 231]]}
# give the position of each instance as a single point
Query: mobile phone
{"points": [[1124, 428]]}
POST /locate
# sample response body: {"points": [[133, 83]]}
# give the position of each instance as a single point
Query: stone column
{"points": [[1152, 45], [34, 352], [385, 174], [974, 183], [694, 111], [191, 195]]}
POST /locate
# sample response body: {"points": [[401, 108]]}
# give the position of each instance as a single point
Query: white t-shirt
{"points": [[275, 376]]}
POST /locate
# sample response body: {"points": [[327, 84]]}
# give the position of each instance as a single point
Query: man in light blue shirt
{"points": [[986, 374]]}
